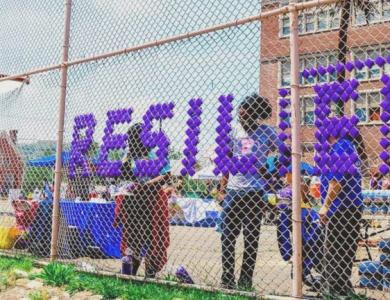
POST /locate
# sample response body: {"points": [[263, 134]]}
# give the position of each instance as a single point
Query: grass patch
{"points": [[22, 263], [38, 295], [57, 274], [111, 288]]}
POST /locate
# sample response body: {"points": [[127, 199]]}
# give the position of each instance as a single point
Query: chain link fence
{"points": [[176, 158]]}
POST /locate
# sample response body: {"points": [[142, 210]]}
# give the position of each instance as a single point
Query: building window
{"points": [[322, 20], [309, 22], [386, 9], [334, 18], [381, 12], [285, 26], [307, 108], [285, 73], [307, 111], [308, 62], [367, 107], [312, 21], [374, 73]]}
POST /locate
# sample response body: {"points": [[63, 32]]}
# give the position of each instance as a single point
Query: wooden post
{"points": [[60, 135]]}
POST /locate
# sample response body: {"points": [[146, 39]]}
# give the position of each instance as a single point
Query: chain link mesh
{"points": [[176, 158]]}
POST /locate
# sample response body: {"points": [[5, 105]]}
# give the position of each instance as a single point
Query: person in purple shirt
{"points": [[341, 212], [243, 195]]}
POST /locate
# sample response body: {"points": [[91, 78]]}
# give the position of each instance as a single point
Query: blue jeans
{"points": [[241, 210]]}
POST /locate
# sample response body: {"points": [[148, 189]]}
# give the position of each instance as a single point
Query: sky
{"points": [[202, 67]]}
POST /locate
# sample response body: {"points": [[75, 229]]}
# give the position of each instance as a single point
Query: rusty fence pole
{"points": [[296, 152], [60, 135]]}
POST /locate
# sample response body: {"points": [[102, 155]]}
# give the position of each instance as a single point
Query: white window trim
{"points": [[316, 30], [301, 106], [315, 56], [381, 19], [303, 109], [313, 11], [353, 107], [280, 63], [365, 49]]}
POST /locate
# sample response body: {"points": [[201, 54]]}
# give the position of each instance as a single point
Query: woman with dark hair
{"points": [[361, 151], [243, 195], [341, 212], [144, 212]]}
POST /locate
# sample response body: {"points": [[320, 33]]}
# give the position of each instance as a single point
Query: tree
{"points": [[346, 7]]}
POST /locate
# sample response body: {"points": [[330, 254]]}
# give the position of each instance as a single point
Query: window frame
{"points": [[381, 49], [303, 65], [367, 106], [380, 8]]}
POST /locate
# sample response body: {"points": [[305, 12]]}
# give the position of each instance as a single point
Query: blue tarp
{"points": [[307, 168], [48, 161]]}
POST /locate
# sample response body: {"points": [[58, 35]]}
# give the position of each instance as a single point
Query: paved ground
{"points": [[198, 250]]}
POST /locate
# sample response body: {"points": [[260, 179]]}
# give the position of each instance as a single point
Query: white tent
{"points": [[206, 174]]}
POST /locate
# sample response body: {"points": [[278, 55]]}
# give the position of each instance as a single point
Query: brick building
{"points": [[11, 163], [318, 40]]}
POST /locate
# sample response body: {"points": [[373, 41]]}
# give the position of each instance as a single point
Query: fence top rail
{"points": [[176, 38]]}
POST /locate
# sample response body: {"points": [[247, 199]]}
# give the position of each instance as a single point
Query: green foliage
{"points": [[7, 263], [57, 274], [111, 288], [35, 295], [34, 177], [197, 187], [170, 277], [174, 155]]}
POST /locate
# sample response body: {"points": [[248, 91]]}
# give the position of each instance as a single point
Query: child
{"points": [[312, 235], [144, 212]]}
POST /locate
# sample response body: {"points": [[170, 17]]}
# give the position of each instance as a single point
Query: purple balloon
{"points": [[384, 169], [385, 78], [380, 61], [384, 156], [340, 67], [305, 73], [384, 142], [283, 125], [385, 116], [385, 130], [283, 114], [359, 64], [369, 63], [80, 146], [283, 103], [331, 69], [349, 66], [283, 92], [321, 70], [354, 83], [313, 72]]}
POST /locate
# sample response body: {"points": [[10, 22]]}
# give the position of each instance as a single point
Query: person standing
{"points": [[243, 195], [341, 212], [143, 214]]}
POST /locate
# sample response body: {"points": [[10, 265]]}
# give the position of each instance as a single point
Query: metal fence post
{"points": [[60, 135], [296, 152]]}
